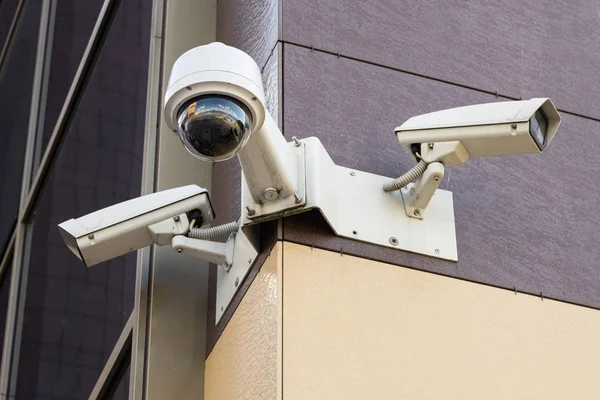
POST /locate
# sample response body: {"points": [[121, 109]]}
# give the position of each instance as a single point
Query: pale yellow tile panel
{"points": [[360, 329], [243, 363]]}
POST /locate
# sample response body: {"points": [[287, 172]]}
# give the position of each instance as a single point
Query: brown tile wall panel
{"points": [[249, 25], [529, 222], [516, 47]]}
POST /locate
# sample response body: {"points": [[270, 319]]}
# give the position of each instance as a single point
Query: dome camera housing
{"points": [[215, 100], [214, 127]]}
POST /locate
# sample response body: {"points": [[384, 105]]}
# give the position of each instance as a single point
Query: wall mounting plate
{"points": [[355, 206], [228, 282]]}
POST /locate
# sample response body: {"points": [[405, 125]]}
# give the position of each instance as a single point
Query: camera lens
{"points": [[214, 128]]}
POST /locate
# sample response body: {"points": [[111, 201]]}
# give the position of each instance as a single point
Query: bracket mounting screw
{"points": [[431, 145], [237, 282], [417, 213], [271, 193], [393, 241], [176, 219], [296, 141], [352, 173], [297, 198], [250, 211], [91, 236]]}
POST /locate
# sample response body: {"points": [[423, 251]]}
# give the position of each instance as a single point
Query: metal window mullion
{"points": [[118, 354], [38, 148], [74, 96], [21, 236], [145, 260], [6, 257]]}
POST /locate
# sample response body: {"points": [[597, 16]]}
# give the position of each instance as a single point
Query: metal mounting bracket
{"points": [[417, 197], [229, 281], [214, 252], [355, 206]]}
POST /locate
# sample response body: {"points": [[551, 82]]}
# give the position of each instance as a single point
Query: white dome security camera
{"points": [[215, 100]]}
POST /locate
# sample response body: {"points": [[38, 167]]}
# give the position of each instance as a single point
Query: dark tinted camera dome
{"points": [[214, 128]]}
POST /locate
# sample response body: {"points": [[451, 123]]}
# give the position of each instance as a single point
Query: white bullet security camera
{"points": [[216, 103], [133, 224], [493, 129], [450, 137]]}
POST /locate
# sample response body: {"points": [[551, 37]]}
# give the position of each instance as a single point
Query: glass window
{"points": [[4, 296], [74, 315], [73, 24], [119, 389], [16, 79], [7, 13]]}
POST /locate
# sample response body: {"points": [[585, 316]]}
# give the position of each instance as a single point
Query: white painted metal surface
{"points": [[228, 282], [356, 207], [255, 211]]}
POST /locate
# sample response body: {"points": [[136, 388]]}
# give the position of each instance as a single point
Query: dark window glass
{"points": [[16, 79], [74, 21], [119, 389], [74, 315], [4, 296], [7, 13]]}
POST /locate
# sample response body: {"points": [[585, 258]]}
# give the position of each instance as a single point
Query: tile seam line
{"points": [[513, 289], [428, 77]]}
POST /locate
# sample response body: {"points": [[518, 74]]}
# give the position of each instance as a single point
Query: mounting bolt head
{"points": [[237, 282], [179, 250], [430, 145], [514, 126], [297, 198], [436, 178], [417, 213], [393, 241], [250, 211], [437, 251], [352, 173], [296, 141], [271, 193], [176, 219], [91, 236]]}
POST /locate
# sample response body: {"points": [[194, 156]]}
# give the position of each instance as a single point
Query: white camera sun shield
{"points": [[122, 228], [493, 129]]}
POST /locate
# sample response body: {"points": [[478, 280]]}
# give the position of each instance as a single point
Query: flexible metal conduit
{"points": [[410, 176], [214, 232]]}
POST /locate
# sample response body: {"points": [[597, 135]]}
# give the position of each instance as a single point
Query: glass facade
{"points": [[4, 297], [71, 316], [16, 81], [73, 24], [7, 13]]}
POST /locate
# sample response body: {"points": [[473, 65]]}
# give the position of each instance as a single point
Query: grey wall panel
{"points": [[250, 25], [529, 222], [515, 47]]}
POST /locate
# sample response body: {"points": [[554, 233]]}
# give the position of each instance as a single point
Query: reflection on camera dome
{"points": [[214, 128]]}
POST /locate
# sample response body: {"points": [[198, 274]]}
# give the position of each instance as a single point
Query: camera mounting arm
{"points": [[417, 197], [268, 165], [207, 250]]}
